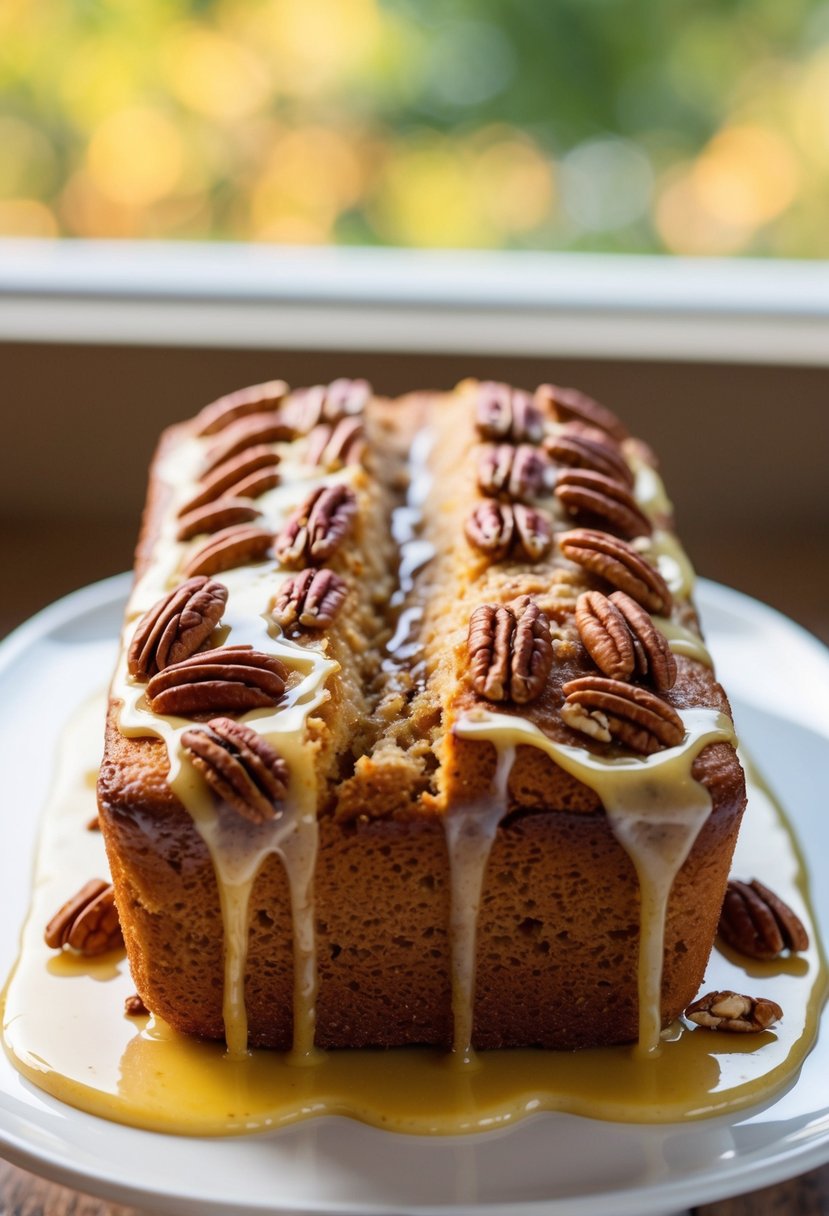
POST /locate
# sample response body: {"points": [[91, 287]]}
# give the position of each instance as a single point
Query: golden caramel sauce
{"points": [[64, 1026]]}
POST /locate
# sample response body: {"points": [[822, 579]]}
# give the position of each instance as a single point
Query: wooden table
{"points": [[22, 1194]]}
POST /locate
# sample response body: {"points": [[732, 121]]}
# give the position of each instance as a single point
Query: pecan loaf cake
{"points": [[413, 737]]}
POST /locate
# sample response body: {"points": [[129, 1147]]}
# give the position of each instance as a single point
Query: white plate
{"points": [[777, 676]]}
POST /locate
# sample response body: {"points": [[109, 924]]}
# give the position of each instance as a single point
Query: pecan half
{"points": [[335, 445], [216, 515], [256, 397], [243, 476], [654, 657], [758, 923], [88, 922], [569, 403], [247, 433], [510, 650], [499, 528], [605, 635], [237, 546], [308, 407], [311, 598], [512, 472], [317, 528], [241, 767], [620, 565], [230, 678], [134, 1007], [733, 1012], [176, 626], [507, 414], [585, 492], [581, 452], [609, 709]]}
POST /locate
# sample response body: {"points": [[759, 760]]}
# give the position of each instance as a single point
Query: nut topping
{"points": [[585, 492], [246, 433], [507, 414], [88, 922], [733, 1012], [176, 626], [757, 923], [581, 452], [605, 635], [235, 478], [257, 397], [512, 472], [308, 407], [232, 547], [230, 678], [216, 515], [134, 1007], [498, 528], [569, 403], [620, 565], [510, 650], [241, 767], [316, 529], [653, 655], [311, 598], [334, 445], [609, 709]]}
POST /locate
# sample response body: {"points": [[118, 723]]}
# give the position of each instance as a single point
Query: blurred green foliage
{"points": [[694, 126]]}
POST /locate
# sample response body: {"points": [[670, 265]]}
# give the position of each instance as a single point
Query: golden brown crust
{"points": [[558, 931]]}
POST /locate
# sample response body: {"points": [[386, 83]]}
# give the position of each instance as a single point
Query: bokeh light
{"points": [[477, 124]]}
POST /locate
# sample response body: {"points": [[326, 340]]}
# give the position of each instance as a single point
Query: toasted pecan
{"points": [[759, 924], [88, 922], [230, 679], [507, 414], [619, 564], [253, 399], [609, 709], [241, 767], [318, 527], [734, 1012], [510, 651], [176, 626]]}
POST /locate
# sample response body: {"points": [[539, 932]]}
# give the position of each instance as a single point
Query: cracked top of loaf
{"points": [[383, 569]]}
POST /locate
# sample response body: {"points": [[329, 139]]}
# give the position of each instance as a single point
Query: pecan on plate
{"points": [[134, 1007], [311, 598], [318, 527], [566, 404], [609, 709], [733, 1012], [620, 565], [500, 528], [239, 545], [507, 414], [333, 445], [308, 407], [653, 654], [246, 433], [231, 678], [585, 492], [253, 399], [756, 922], [580, 452], [239, 766], [176, 626], [214, 516], [512, 472], [510, 650], [88, 922], [247, 475]]}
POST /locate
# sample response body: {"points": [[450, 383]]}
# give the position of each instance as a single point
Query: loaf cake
{"points": [[413, 737]]}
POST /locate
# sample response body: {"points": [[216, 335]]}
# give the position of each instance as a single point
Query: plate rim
{"points": [[644, 1199]]}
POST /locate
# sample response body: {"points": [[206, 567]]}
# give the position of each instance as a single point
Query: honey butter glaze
{"points": [[142, 1072], [64, 1026]]}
